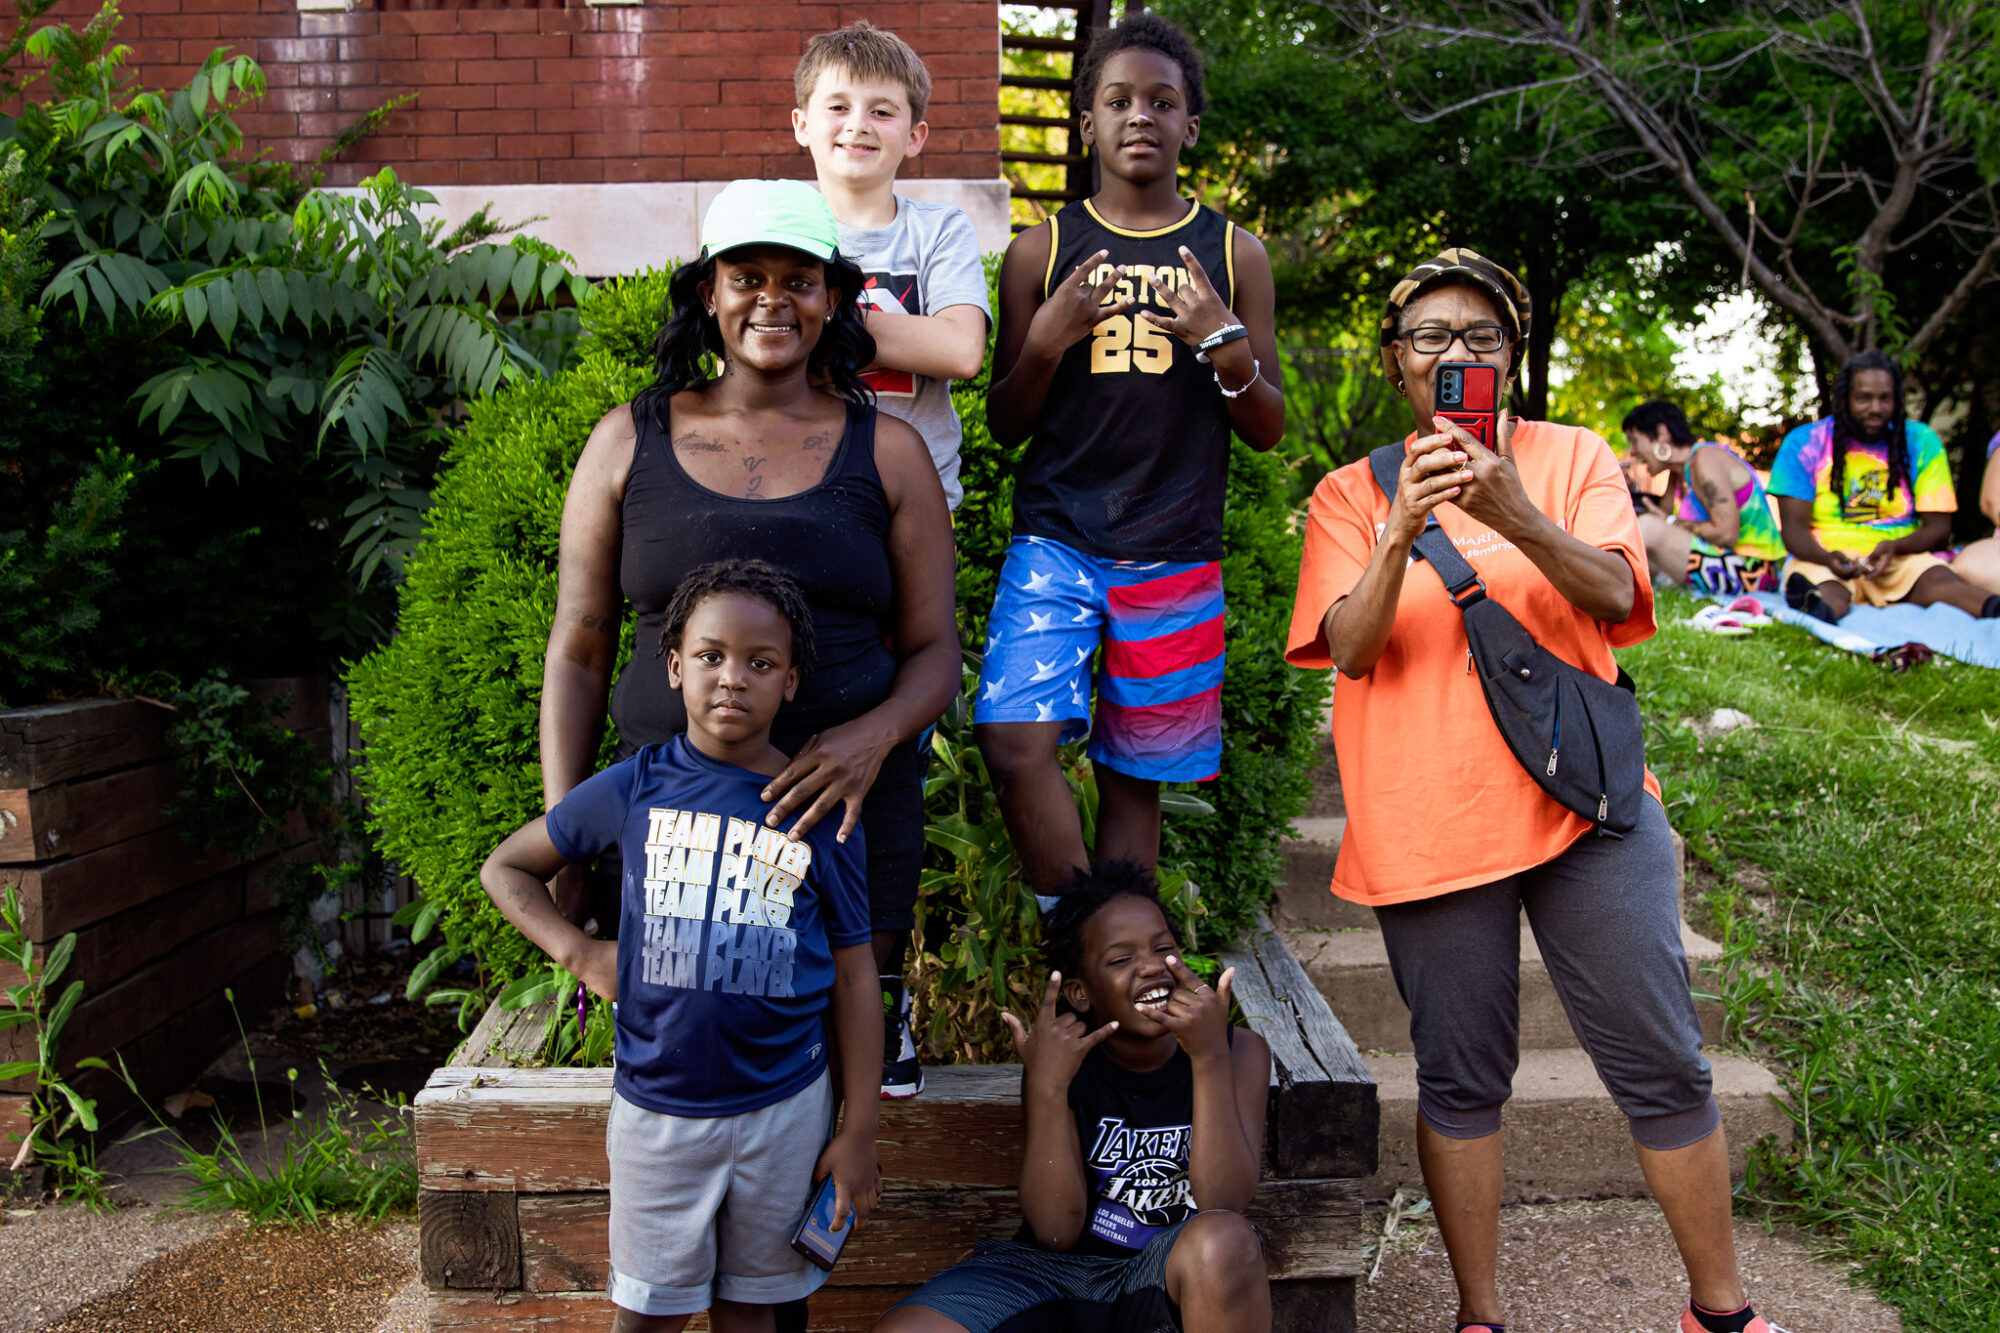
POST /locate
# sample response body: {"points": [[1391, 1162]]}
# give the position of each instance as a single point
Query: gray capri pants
{"points": [[1606, 914]]}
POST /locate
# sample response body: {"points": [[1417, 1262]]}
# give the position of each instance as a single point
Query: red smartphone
{"points": [[1468, 396]]}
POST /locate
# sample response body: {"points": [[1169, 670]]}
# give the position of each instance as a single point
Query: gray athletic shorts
{"points": [[704, 1209]]}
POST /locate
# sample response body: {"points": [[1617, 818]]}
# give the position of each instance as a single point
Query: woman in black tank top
{"points": [[779, 457]]}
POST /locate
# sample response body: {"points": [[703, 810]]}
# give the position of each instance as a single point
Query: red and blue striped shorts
{"points": [[1158, 678]]}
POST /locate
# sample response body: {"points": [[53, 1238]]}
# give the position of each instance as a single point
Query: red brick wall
{"points": [[510, 96]]}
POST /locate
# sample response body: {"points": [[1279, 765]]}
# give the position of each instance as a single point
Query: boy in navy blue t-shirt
{"points": [[731, 940]]}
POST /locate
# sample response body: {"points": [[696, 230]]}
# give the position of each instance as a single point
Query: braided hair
{"points": [[745, 578], [1088, 893], [1846, 430], [689, 336], [1147, 32]]}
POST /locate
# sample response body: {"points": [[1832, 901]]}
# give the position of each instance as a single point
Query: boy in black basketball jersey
{"points": [[1135, 336]]}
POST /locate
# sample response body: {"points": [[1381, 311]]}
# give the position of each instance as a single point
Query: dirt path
{"points": [[1609, 1266], [334, 1279]]}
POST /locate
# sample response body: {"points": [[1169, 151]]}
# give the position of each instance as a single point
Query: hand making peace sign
{"points": [[1197, 309], [1076, 306]]}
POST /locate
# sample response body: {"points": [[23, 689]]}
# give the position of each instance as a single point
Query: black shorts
{"points": [[1011, 1287], [892, 822]]}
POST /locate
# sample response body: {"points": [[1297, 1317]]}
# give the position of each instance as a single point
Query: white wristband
{"points": [[1256, 369]]}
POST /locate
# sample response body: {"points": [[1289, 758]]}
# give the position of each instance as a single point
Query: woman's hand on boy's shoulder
{"points": [[1198, 1013], [1053, 1049]]}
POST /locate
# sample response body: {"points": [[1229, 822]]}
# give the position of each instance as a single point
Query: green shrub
{"points": [[51, 581], [448, 710]]}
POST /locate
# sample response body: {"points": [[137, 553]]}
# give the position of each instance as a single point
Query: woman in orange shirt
{"points": [[1450, 839]]}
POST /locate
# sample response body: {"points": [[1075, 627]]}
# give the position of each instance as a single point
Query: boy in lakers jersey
{"points": [[1135, 336]]}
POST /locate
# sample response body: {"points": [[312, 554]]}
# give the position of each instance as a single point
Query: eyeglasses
{"points": [[1430, 338]]}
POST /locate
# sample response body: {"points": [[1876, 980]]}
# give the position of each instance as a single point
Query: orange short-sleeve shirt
{"points": [[1435, 799]]}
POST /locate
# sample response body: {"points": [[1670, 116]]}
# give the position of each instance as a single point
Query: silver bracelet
{"points": [[1256, 369]]}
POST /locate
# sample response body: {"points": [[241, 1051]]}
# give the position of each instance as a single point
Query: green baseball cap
{"points": [[753, 212]]}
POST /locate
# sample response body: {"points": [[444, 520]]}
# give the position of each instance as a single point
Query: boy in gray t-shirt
{"points": [[861, 99]]}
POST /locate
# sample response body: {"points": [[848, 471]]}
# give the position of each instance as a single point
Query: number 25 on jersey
{"points": [[1127, 342]]}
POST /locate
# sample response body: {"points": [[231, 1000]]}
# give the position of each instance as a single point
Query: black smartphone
{"points": [[816, 1239], [1468, 395]]}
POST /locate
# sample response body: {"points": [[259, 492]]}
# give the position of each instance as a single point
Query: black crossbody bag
{"points": [[1580, 738]]}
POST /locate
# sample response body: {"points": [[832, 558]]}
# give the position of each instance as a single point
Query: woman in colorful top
{"points": [[1722, 539], [1865, 498], [1448, 837], [1979, 563]]}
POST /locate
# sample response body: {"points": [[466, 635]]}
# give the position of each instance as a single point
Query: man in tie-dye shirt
{"points": [[1864, 498]]}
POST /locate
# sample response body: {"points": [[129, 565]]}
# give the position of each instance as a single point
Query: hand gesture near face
{"points": [[1197, 310], [1075, 306], [1052, 1051], [1198, 1013]]}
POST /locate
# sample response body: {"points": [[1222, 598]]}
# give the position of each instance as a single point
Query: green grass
{"points": [[1850, 848]]}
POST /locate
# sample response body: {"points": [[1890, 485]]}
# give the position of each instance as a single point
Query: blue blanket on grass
{"points": [[1869, 629]]}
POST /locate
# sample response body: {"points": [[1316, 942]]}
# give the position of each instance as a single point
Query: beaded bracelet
{"points": [[1256, 369]]}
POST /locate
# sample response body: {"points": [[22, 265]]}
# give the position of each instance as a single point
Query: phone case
{"points": [[815, 1238], [1468, 396]]}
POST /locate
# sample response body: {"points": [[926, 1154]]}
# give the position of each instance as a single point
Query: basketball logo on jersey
{"points": [[1126, 343], [897, 294], [1142, 1180]]}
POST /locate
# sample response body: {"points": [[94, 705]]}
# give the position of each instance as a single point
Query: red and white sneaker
{"points": [[1757, 1324]]}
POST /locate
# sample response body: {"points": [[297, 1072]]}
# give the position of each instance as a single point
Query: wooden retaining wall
{"points": [[514, 1177], [162, 927]]}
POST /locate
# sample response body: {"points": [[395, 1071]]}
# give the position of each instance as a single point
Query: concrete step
{"points": [[1351, 969], [1305, 899], [1562, 1137]]}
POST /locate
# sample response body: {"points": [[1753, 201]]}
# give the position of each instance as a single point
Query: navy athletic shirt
{"points": [[726, 931]]}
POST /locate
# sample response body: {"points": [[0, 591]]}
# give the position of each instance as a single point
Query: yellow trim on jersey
{"points": [[1049, 270], [1229, 249], [1194, 211]]}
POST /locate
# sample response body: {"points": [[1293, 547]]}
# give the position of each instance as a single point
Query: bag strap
{"points": [[1461, 582]]}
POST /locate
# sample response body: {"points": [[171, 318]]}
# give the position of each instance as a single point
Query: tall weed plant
{"points": [[60, 1119], [300, 1169], [264, 372]]}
